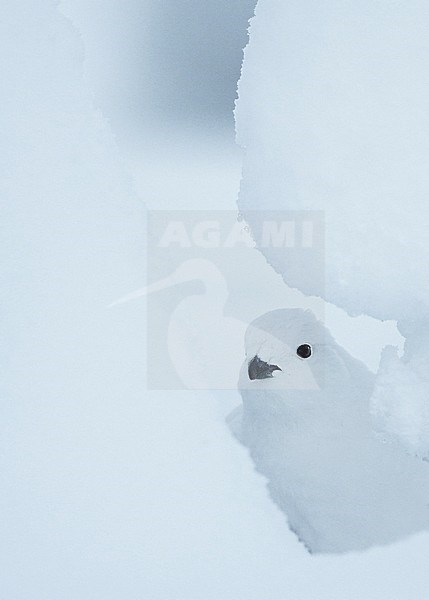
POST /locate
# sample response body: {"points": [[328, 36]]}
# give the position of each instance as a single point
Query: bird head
{"points": [[295, 373], [290, 349]]}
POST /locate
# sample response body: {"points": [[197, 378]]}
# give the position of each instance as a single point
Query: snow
{"points": [[108, 490], [399, 403], [332, 114]]}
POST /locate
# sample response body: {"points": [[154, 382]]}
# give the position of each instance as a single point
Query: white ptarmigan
{"points": [[306, 421]]}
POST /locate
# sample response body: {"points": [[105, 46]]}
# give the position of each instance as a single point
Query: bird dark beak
{"points": [[258, 369]]}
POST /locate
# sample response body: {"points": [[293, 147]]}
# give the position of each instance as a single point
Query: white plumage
{"points": [[309, 431]]}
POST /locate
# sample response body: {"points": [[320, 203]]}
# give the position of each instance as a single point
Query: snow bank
{"points": [[109, 491], [332, 113], [399, 402]]}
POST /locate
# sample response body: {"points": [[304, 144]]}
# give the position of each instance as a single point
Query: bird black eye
{"points": [[304, 351]]}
